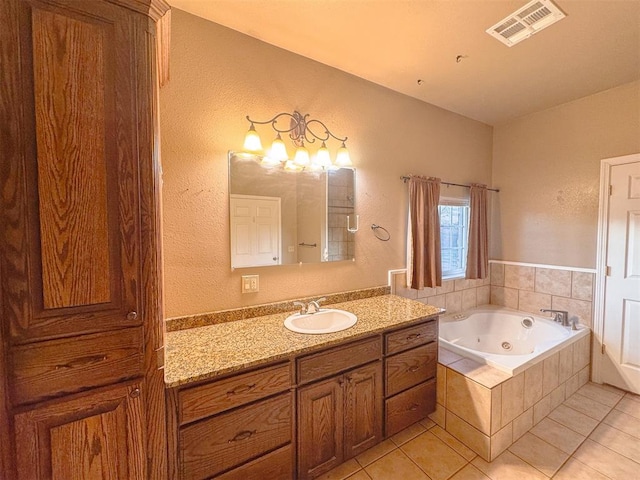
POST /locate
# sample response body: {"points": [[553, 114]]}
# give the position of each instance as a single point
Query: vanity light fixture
{"points": [[301, 132]]}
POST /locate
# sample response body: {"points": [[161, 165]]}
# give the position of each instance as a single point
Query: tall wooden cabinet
{"points": [[82, 393]]}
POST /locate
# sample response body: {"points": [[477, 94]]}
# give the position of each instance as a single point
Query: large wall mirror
{"points": [[281, 217]]}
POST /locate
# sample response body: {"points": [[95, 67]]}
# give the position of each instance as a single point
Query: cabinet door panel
{"points": [[363, 409], [72, 244], [320, 427], [99, 435]]}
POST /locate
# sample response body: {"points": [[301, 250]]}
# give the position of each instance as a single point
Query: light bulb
{"points": [[323, 158], [302, 156], [278, 151], [252, 141], [342, 157]]}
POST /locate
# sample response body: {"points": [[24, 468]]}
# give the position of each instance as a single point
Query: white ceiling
{"points": [[396, 42]]}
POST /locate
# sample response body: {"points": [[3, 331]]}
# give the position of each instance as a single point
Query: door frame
{"points": [[601, 259]]}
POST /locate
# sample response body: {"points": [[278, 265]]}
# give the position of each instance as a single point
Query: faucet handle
{"points": [[304, 308], [560, 316], [316, 304]]}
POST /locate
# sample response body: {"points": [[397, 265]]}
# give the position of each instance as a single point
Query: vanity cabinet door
{"points": [[320, 427], [338, 419], [363, 409], [95, 435]]}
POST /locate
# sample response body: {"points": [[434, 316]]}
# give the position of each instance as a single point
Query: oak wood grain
{"points": [[214, 397], [59, 367], [276, 465], [363, 413], [96, 435], [69, 90], [409, 368], [410, 406], [331, 361], [414, 336], [222, 442], [320, 427]]}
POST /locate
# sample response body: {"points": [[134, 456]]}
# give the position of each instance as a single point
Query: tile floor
{"points": [[593, 435]]}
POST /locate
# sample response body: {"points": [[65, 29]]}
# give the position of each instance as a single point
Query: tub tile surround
{"points": [[530, 288], [454, 295], [489, 410]]}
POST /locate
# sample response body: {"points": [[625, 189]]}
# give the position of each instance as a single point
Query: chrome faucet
{"points": [[313, 304], [560, 316]]}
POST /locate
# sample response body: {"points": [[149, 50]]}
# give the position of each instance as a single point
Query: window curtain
{"points": [[478, 248], [424, 266]]}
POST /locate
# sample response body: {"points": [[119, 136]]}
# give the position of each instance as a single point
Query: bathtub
{"points": [[506, 339]]}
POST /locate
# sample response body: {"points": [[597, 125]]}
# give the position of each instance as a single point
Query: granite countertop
{"points": [[206, 352]]}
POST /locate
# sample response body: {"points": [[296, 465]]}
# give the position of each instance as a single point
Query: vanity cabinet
{"points": [[236, 427], [411, 358], [80, 300], [341, 416], [302, 417]]}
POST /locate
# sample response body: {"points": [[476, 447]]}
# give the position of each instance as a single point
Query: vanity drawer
{"points": [[409, 407], [215, 397], [276, 465], [335, 360], [410, 368], [411, 337], [212, 446]]}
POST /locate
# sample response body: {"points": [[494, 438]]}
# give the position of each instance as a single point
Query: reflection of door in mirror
{"points": [[255, 230]]}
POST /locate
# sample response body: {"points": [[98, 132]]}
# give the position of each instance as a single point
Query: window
{"points": [[454, 236]]}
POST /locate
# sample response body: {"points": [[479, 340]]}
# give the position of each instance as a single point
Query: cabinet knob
{"points": [[135, 393], [413, 368], [132, 315]]}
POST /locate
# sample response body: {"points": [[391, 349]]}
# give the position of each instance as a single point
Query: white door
{"points": [[255, 230], [620, 355]]}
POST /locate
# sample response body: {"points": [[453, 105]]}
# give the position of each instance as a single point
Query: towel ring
{"points": [[386, 234]]}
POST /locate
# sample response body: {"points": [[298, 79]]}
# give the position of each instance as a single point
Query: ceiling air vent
{"points": [[530, 19]]}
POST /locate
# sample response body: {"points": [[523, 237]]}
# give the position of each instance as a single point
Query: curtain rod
{"points": [[406, 178]]}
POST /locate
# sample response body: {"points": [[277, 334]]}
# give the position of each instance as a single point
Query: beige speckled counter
{"points": [[206, 352]]}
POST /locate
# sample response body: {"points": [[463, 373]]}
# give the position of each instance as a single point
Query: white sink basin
{"points": [[324, 321]]}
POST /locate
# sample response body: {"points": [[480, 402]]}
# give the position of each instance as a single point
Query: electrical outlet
{"points": [[250, 283]]}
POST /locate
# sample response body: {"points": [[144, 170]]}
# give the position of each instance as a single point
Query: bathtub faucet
{"points": [[560, 316]]}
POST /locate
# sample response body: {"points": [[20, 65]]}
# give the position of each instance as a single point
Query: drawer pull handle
{"points": [[413, 336], [413, 407], [243, 435], [241, 389], [414, 368]]}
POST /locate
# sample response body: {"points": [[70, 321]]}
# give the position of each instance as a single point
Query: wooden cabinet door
{"points": [[70, 202], [94, 436], [320, 427], [363, 409]]}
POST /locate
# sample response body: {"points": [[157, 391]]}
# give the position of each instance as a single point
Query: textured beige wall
{"points": [[217, 77], [547, 166]]}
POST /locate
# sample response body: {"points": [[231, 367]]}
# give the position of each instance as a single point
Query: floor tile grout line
{"points": [[612, 450], [577, 411]]}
